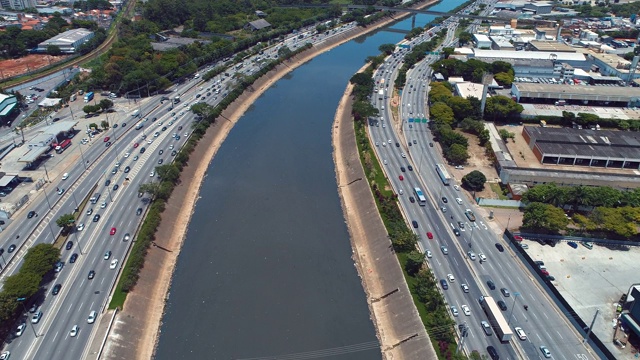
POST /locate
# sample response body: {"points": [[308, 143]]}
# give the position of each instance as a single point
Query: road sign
{"points": [[410, 120], [424, 120]]}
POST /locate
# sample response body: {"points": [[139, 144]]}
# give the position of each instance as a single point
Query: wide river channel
{"points": [[266, 271]]}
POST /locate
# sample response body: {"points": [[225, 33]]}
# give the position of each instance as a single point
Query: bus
{"points": [[88, 96], [443, 173], [422, 201], [496, 319], [62, 146]]}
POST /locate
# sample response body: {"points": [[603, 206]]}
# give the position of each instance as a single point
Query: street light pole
{"points": [[515, 298], [45, 171], [21, 300]]}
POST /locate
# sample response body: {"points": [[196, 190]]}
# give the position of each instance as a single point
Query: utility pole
{"points": [[463, 334], [586, 337]]}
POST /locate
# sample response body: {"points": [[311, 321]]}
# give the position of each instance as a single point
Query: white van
{"points": [[65, 176]]}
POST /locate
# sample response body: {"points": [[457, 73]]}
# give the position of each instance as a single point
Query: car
{"points": [[404, 156], [136, 145], [466, 310], [465, 288], [60, 191], [545, 351], [33, 308], [456, 231], [96, 217], [401, 177], [459, 167], [20, 329], [429, 235], [491, 284], [142, 150], [135, 158], [505, 292], [11, 248], [456, 187], [113, 231], [179, 128], [397, 144], [410, 168], [103, 205], [160, 161], [444, 250], [115, 170], [156, 134], [472, 256], [502, 305], [152, 174], [459, 201], [36, 317], [92, 317], [91, 275], [115, 187], [160, 152], [499, 247], [444, 284], [412, 199], [74, 331], [69, 245], [429, 255], [521, 334], [139, 211], [445, 200], [123, 124], [56, 289], [126, 237], [524, 246], [126, 155], [107, 144], [493, 353], [107, 255], [73, 258], [451, 278], [573, 244], [414, 223], [517, 238], [115, 126], [403, 169], [65, 176], [415, 142], [454, 310], [31, 214], [114, 264], [482, 257], [486, 328], [430, 144], [106, 139]]}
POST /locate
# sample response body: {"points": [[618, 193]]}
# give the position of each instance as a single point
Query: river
{"points": [[266, 269]]}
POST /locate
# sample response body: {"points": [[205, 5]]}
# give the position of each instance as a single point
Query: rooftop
{"points": [[512, 54], [582, 92], [551, 46], [70, 36]]}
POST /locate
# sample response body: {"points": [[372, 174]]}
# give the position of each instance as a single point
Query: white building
{"points": [[68, 41], [17, 4], [468, 89], [588, 35], [482, 41], [42, 140], [505, 30]]}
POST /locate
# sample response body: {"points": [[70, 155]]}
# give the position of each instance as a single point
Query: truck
{"points": [[561, 102], [62, 146], [470, 215], [88, 96], [496, 319], [381, 94]]}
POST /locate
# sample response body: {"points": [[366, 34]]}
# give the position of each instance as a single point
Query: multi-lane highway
{"points": [[403, 144]]}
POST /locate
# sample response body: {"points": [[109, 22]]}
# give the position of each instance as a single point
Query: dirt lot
{"points": [[13, 67]]}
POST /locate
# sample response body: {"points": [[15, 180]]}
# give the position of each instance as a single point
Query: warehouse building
{"points": [[616, 96], [577, 60], [68, 41], [593, 148], [482, 41]]}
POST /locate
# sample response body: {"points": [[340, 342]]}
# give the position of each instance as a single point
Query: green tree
{"points": [[387, 48], [362, 110], [40, 259], [168, 172], [504, 79], [54, 50], [104, 124], [66, 221], [457, 154], [506, 135], [461, 107], [484, 137], [544, 217], [415, 259], [465, 38], [474, 180], [152, 188], [502, 109], [204, 110], [105, 104], [441, 112], [404, 240], [22, 284]]}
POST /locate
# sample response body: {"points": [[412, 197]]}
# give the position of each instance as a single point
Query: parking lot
{"points": [[591, 280]]}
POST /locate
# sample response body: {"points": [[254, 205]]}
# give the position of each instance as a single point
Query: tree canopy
{"points": [[474, 180]]}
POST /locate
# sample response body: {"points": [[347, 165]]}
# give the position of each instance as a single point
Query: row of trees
{"points": [[473, 70], [103, 105], [24, 285], [582, 196]]}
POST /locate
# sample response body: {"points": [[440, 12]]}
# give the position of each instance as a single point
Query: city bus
{"points": [[443, 174], [422, 201]]}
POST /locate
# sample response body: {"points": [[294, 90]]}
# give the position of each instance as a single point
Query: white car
{"points": [[5, 355], [403, 155], [454, 311], [482, 257], [456, 187], [521, 334], [103, 205], [152, 174], [92, 317], [156, 134], [126, 155], [74, 331], [451, 278], [149, 141], [465, 310], [472, 256], [389, 141], [80, 227], [465, 288], [114, 264], [429, 255], [20, 329], [459, 201], [65, 176], [384, 144]]}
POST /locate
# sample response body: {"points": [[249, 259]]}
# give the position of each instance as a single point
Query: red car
{"points": [[136, 145], [401, 177], [106, 139], [430, 235], [517, 238], [113, 231]]}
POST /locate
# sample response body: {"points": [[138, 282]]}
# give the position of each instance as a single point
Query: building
{"points": [[41, 141], [501, 43], [577, 60], [17, 4], [257, 25], [592, 148], [467, 89], [549, 46], [592, 95], [505, 30], [482, 41], [8, 108], [613, 65], [631, 310], [68, 41], [588, 35], [538, 8], [65, 11]]}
